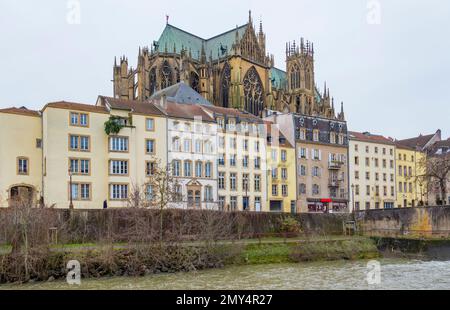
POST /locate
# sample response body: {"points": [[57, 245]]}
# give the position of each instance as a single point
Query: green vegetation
{"points": [[113, 126]]}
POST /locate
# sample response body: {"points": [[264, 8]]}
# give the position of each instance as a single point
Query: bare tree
{"points": [[436, 174]]}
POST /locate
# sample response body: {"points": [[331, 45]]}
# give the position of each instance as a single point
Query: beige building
{"points": [[321, 160], [372, 171], [20, 154]]}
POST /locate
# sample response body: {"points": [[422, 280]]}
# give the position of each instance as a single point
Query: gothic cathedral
{"points": [[231, 69]]}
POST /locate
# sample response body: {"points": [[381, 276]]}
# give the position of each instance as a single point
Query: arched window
{"points": [[166, 75], [194, 81], [308, 79], [225, 83], [253, 92], [295, 77], [153, 82]]}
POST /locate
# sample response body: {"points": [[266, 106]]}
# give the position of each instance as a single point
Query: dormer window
{"points": [[221, 122], [231, 124]]}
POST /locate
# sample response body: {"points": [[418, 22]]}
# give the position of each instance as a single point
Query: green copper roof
{"points": [[278, 77], [174, 37]]}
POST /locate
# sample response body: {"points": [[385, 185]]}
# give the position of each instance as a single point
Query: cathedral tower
{"points": [[300, 76]]}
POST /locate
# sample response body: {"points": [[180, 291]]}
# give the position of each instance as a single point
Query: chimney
{"points": [[163, 102]]}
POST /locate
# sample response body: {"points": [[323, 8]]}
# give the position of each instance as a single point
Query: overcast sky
{"points": [[391, 69]]}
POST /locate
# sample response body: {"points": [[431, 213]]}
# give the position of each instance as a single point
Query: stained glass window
{"points": [[253, 92]]}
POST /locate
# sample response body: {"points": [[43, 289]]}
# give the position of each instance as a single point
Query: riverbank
{"points": [[104, 261]]}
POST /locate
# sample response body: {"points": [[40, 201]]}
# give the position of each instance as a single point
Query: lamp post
{"points": [[353, 197], [70, 189]]}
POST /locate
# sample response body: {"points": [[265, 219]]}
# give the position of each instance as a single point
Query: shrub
{"points": [[290, 225]]}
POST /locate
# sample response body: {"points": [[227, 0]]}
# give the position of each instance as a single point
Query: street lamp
{"points": [[70, 188]]}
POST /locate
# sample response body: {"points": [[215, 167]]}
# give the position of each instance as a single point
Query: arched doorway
{"points": [[21, 194]]}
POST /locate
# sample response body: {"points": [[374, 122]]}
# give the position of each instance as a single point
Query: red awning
{"points": [[326, 200]]}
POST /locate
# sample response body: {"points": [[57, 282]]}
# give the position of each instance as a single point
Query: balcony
{"points": [[335, 165], [335, 182]]}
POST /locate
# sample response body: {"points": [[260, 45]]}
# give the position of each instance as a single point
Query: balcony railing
{"points": [[335, 164]]}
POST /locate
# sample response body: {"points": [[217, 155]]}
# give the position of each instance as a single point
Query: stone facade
{"points": [[232, 69]]}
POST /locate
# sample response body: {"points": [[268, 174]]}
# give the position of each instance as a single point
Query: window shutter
{"points": [[306, 153], [320, 155]]}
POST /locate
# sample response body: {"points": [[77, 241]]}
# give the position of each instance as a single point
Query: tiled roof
{"points": [[186, 111], [76, 106], [234, 113], [181, 93], [20, 111], [419, 141], [175, 37], [282, 141], [368, 137], [141, 107]]}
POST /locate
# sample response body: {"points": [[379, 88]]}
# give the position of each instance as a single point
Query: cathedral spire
{"points": [[250, 21]]}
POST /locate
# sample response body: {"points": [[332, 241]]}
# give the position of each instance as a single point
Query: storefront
{"points": [[327, 205]]}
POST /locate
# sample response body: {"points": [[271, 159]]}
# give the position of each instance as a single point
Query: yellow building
{"points": [[20, 154], [411, 190], [281, 179]]}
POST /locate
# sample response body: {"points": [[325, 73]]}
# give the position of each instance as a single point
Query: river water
{"points": [[395, 274]]}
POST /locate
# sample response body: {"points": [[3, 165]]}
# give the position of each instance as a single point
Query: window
{"points": [[392, 191], [391, 164], [315, 135], [274, 190], [150, 124], [377, 190], [303, 153], [39, 143], [376, 150], [257, 183], [392, 177], [233, 181], [384, 151], [149, 192], [118, 167], [368, 190], [79, 119], [245, 182], [391, 152], [233, 203], [283, 155], [79, 166], [400, 187], [284, 173], [221, 160], [357, 190], [332, 137], [245, 145], [209, 193], [302, 188], [245, 161], [118, 191], [316, 171], [356, 147], [410, 187], [303, 170], [256, 146], [22, 166], [150, 168], [221, 203], [150, 146], [302, 134], [384, 190], [274, 173], [118, 144], [208, 170], [274, 154], [367, 149], [176, 166], [198, 146], [198, 169], [233, 160], [284, 190], [176, 144], [356, 160], [79, 143], [221, 180], [376, 162], [316, 154], [80, 191], [221, 123], [367, 161], [315, 189], [410, 171], [188, 168], [384, 163], [187, 145], [257, 162], [356, 175]]}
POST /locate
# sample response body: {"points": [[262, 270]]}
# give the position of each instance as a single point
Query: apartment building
{"points": [[192, 153], [20, 154], [321, 160], [281, 179], [241, 160], [372, 171], [410, 164]]}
